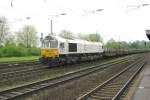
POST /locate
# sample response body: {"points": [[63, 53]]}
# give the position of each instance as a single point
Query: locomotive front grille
{"points": [[49, 52]]}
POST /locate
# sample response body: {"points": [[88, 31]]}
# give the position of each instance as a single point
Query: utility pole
{"points": [[51, 22], [51, 27]]}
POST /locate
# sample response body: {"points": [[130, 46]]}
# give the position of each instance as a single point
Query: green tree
{"points": [[66, 34], [139, 45], [91, 37], [4, 29], [10, 39], [27, 36], [112, 44], [123, 45], [95, 37], [83, 36]]}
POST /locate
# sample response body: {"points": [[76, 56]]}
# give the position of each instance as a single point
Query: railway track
{"points": [[27, 72], [11, 80], [6, 65], [12, 67], [114, 87], [20, 69], [18, 66], [27, 89], [15, 67], [23, 72]]}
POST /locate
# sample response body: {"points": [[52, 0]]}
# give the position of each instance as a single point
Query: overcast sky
{"points": [[119, 19]]}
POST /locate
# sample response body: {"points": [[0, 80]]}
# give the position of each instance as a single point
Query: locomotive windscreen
{"points": [[53, 44], [72, 47]]}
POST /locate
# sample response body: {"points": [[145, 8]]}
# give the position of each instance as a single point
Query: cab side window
{"points": [[72, 47]]}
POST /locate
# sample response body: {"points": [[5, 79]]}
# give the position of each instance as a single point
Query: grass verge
{"points": [[14, 59]]}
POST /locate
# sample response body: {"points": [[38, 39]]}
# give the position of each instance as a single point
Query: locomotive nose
{"points": [[49, 52]]}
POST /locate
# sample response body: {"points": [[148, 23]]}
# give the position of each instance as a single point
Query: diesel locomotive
{"points": [[56, 50]]}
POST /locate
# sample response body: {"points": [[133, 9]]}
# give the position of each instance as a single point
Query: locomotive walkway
{"points": [[143, 89]]}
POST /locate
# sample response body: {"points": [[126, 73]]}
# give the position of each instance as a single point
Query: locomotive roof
{"points": [[75, 40]]}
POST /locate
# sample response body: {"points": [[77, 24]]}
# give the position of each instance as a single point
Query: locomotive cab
{"points": [[49, 47]]}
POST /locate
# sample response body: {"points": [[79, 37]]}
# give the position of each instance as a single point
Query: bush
{"points": [[34, 51], [18, 51]]}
